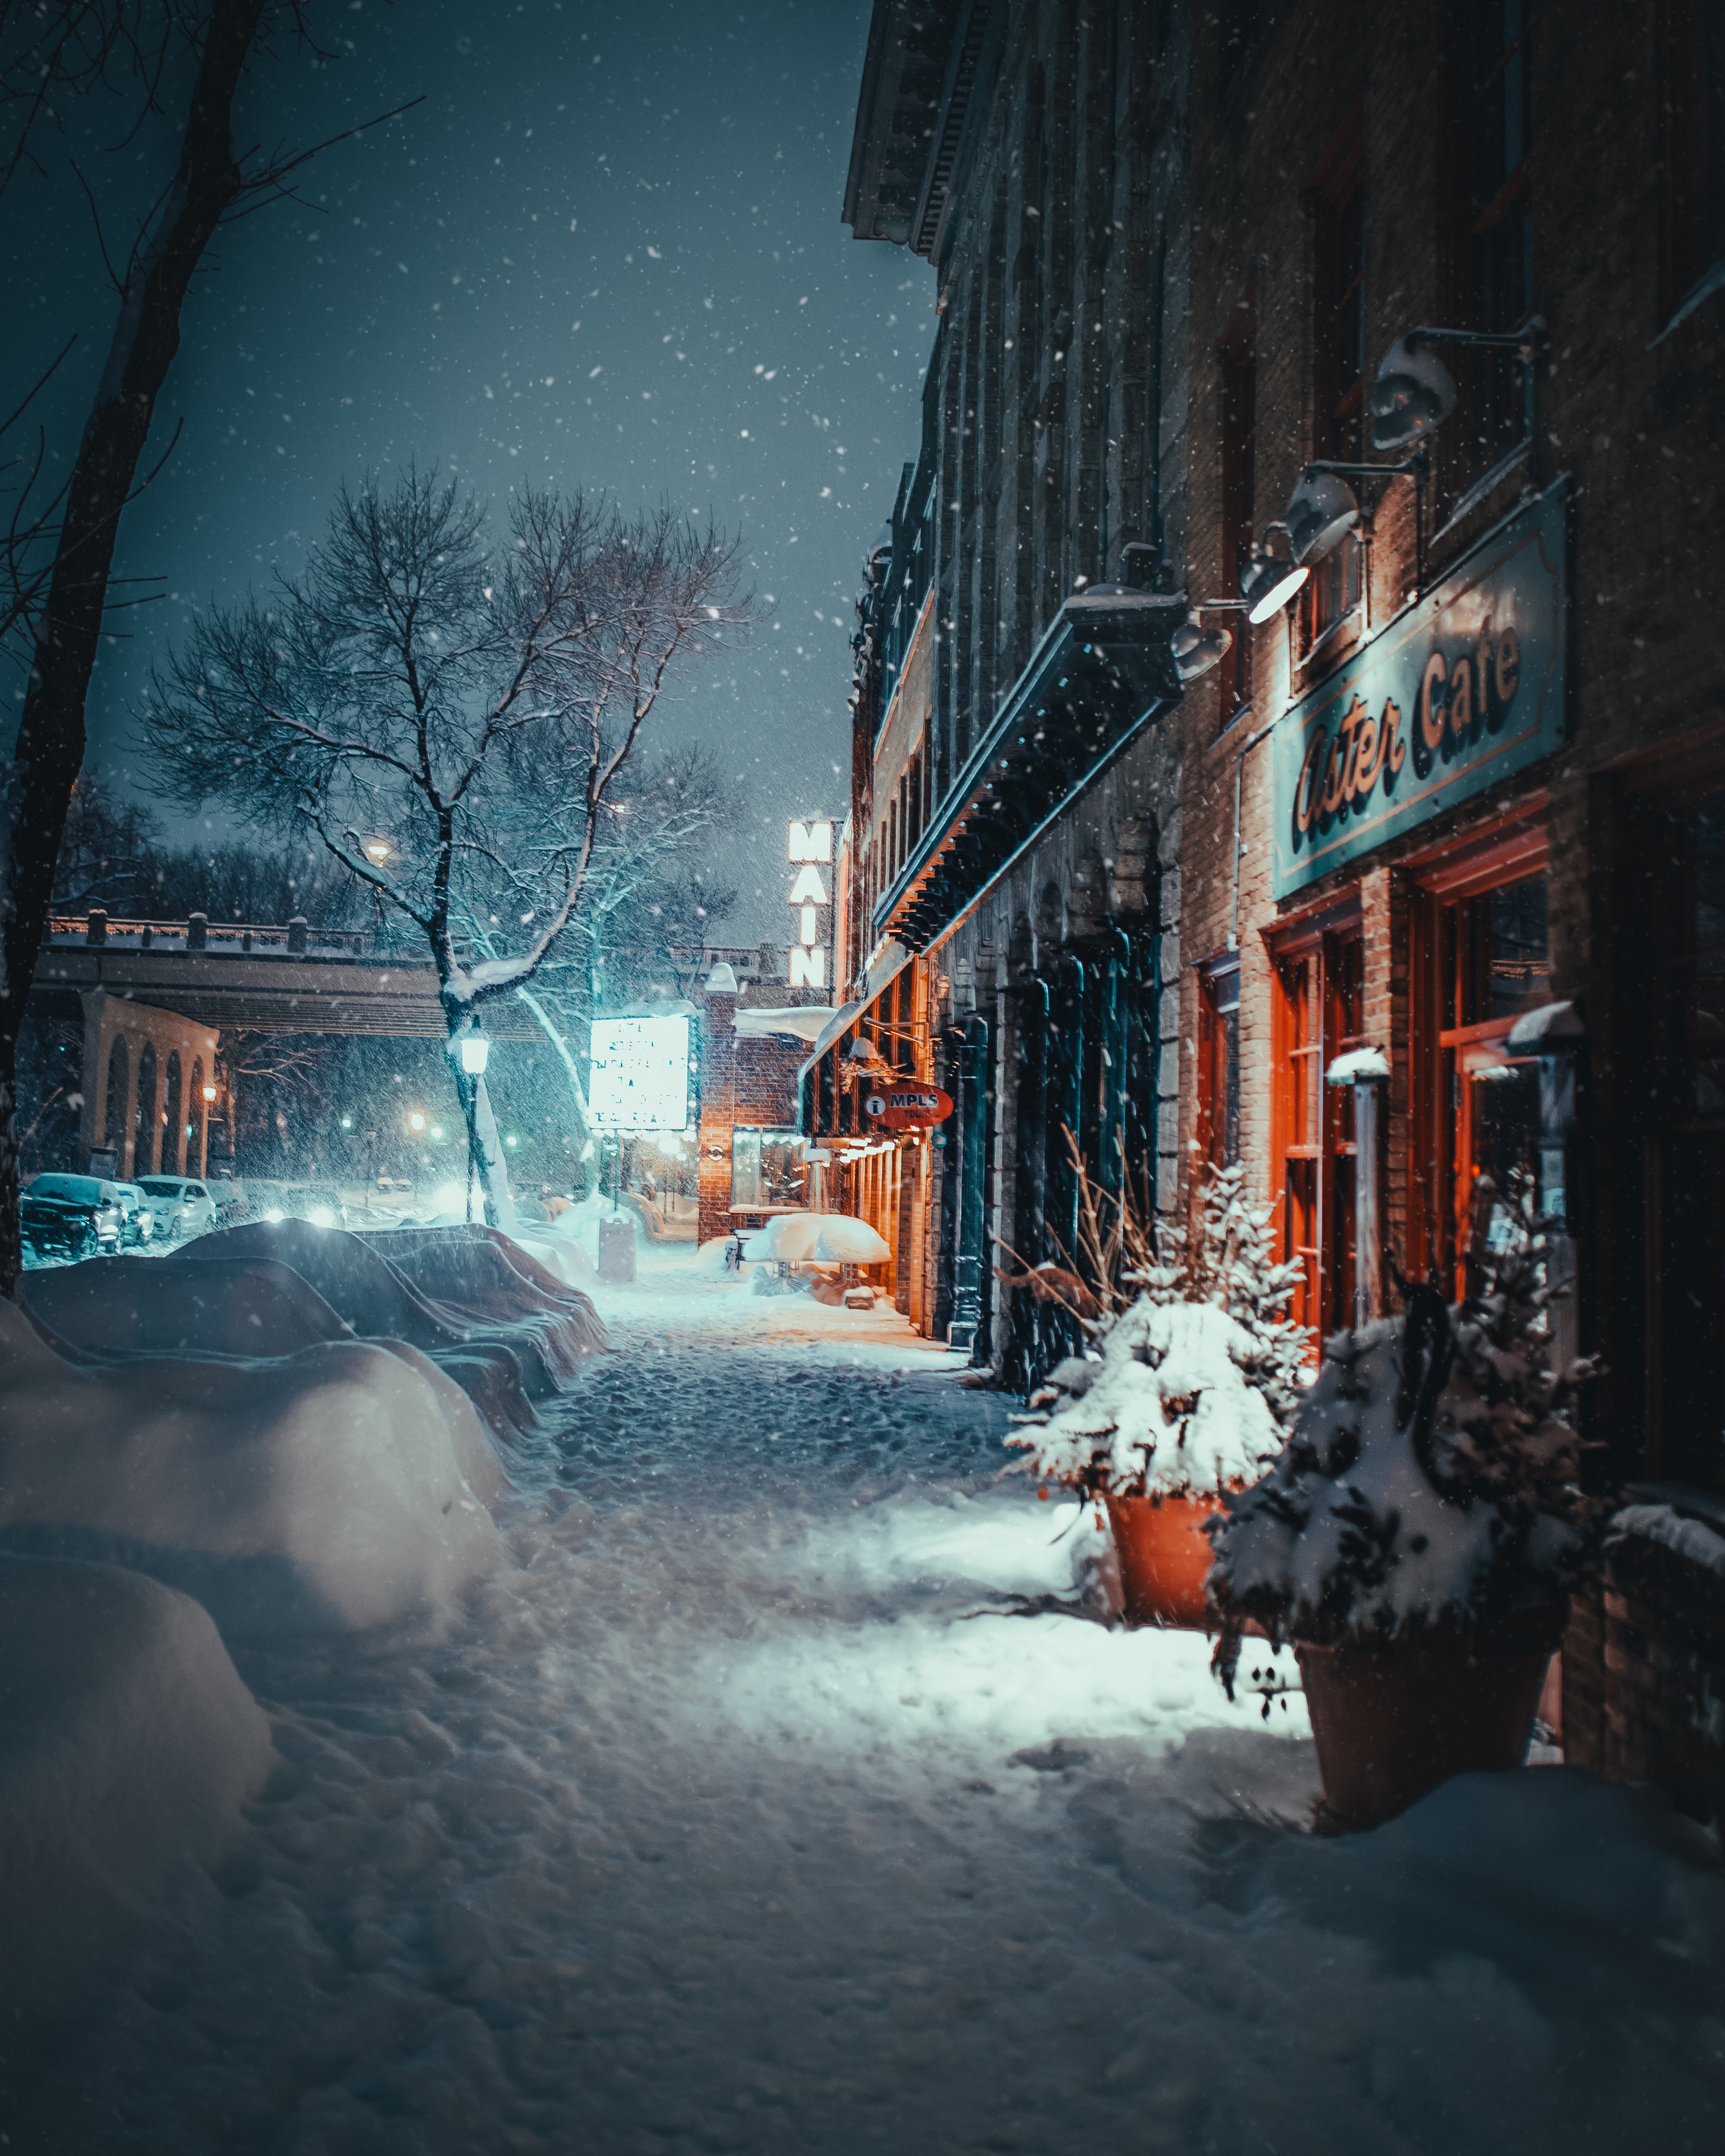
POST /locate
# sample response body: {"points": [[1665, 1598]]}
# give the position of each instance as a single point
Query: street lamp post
{"points": [[475, 1052]]}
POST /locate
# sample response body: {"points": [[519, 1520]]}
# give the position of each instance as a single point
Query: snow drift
{"points": [[127, 1745], [101, 1312], [461, 1292], [316, 1490]]}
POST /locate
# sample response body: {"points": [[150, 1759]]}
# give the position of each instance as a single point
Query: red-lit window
{"points": [[1479, 960], [1218, 1062], [1318, 1015]]}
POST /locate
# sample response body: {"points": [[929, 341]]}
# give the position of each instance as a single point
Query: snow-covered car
{"points": [[71, 1216], [142, 1223], [184, 1205]]}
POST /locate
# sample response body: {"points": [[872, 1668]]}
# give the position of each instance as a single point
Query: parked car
{"points": [[319, 1203], [184, 1206], [143, 1217], [71, 1216]]}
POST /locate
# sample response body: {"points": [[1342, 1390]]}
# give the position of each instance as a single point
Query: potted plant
{"points": [[1418, 1536], [1187, 1384]]}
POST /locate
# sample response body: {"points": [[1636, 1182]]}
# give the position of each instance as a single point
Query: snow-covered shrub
{"points": [[1432, 1477], [1189, 1384]]}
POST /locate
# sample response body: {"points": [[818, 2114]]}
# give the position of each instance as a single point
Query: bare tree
{"points": [[56, 560], [452, 716], [648, 898], [103, 847]]}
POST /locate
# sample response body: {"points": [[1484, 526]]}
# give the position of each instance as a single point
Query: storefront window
{"points": [[1320, 1003], [1492, 954], [1218, 1062], [767, 1170]]}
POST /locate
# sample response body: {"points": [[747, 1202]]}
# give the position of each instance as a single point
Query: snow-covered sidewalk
{"points": [[755, 1804]]}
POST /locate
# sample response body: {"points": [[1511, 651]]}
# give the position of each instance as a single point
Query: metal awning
{"points": [[843, 1023], [1101, 673]]}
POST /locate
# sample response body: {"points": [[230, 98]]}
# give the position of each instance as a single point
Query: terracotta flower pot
{"points": [[1164, 1557], [1393, 1721]]}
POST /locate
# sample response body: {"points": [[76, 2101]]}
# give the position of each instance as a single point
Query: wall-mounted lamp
{"points": [[1196, 649], [1323, 508], [1415, 394], [1266, 585], [1412, 396]]}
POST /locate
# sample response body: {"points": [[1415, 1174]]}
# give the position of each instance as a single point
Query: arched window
{"points": [[194, 1120], [119, 1097], [146, 1129], [171, 1135]]}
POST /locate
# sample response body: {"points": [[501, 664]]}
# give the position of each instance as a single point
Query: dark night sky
{"points": [[605, 250]]}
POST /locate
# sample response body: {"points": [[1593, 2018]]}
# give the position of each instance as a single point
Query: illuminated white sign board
{"points": [[811, 845], [639, 1078]]}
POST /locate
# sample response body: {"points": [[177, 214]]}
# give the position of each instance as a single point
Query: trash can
{"points": [[616, 1249]]}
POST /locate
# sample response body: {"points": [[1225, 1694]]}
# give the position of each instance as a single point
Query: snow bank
{"points": [[191, 1306], [127, 1745], [1167, 1405], [254, 1307], [459, 1294], [322, 1490]]}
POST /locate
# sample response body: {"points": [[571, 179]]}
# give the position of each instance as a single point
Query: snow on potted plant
{"points": [[1418, 1536], [1187, 1385]]}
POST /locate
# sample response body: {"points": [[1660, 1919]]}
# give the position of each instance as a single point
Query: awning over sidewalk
{"points": [[1101, 673], [828, 1077], [842, 1023]]}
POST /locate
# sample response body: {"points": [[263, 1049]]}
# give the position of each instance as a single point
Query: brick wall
{"points": [[750, 1082], [1644, 1677]]}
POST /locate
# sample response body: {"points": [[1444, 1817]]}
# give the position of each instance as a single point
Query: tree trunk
{"points": [[50, 750]]}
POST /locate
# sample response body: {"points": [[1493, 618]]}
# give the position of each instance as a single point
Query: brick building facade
{"points": [[1487, 169], [1460, 799], [748, 1088]]}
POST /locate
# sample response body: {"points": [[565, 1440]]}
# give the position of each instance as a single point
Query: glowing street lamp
{"points": [[416, 1122], [475, 1051], [210, 1092], [377, 851]]}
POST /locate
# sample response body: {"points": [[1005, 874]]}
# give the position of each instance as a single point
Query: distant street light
{"points": [[210, 1092], [377, 851], [416, 1121]]}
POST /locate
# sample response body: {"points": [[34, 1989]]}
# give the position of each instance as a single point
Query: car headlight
{"points": [[321, 1216], [275, 1214]]}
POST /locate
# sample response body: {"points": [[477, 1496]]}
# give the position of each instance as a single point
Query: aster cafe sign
{"points": [[1462, 689]]}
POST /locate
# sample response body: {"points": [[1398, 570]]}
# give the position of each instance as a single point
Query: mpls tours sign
{"points": [[1458, 692]]}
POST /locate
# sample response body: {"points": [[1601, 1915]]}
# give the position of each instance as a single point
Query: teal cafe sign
{"points": [[1457, 692]]}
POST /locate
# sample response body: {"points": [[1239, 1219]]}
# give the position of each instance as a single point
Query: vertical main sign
{"points": [[811, 849]]}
